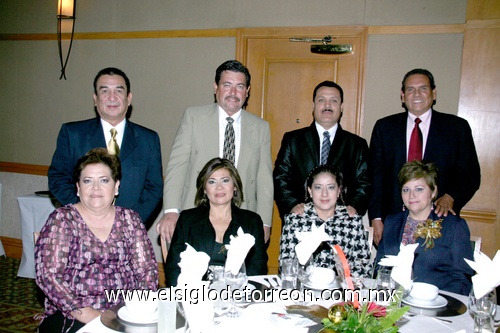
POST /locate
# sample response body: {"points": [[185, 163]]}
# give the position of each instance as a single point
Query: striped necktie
{"points": [[325, 147]]}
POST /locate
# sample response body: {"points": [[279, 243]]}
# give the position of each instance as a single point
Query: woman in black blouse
{"points": [[217, 216]]}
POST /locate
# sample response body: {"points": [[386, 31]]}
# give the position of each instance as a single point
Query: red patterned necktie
{"points": [[416, 143]]}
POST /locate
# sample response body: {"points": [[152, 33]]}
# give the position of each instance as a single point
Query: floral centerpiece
{"points": [[368, 317]]}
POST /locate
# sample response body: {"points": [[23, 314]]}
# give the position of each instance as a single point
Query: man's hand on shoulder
{"points": [[351, 211], [166, 226], [298, 209], [444, 205]]}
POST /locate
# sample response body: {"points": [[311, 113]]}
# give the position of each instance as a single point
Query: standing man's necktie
{"points": [[325, 147], [113, 148], [229, 147], [416, 143]]}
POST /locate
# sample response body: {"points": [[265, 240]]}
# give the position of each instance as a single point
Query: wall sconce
{"points": [[65, 26]]}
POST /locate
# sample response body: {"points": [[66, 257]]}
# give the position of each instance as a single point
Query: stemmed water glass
{"points": [[235, 281], [483, 309]]}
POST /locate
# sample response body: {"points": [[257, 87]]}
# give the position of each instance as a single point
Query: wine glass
{"points": [[303, 273], [235, 281], [483, 309]]}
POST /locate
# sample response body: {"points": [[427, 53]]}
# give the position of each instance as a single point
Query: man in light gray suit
{"points": [[200, 137]]}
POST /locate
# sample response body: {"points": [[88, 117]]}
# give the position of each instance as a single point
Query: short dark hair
{"points": [[99, 156], [323, 168], [420, 71], [112, 71], [233, 66], [329, 84], [213, 165], [416, 170]]}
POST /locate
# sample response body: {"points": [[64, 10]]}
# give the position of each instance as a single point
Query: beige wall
{"points": [[169, 74]]}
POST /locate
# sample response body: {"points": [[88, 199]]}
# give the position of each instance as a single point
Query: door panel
{"points": [[284, 75]]}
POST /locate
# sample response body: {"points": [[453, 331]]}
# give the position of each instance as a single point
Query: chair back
{"points": [[369, 234], [475, 243]]}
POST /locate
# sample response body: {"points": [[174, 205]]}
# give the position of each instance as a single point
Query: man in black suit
{"points": [[303, 149], [447, 142], [141, 187]]}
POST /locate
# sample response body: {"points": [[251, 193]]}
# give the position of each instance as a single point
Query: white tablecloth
{"points": [[257, 318], [34, 211]]}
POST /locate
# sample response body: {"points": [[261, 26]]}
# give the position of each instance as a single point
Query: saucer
{"points": [[333, 285], [124, 315], [439, 302]]}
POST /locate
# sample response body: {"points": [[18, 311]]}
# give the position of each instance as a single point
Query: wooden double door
{"points": [[284, 75]]}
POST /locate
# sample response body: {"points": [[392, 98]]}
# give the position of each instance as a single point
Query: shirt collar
{"points": [[321, 130], [120, 128]]}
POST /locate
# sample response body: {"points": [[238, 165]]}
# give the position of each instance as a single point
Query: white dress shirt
{"points": [[120, 129], [321, 130]]}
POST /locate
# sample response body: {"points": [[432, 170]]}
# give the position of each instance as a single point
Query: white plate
{"points": [[126, 316], [439, 302], [333, 285]]}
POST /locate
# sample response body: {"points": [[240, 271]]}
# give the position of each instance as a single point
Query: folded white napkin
{"points": [[488, 273], [193, 265], [199, 311], [237, 250], [402, 264], [309, 242]]}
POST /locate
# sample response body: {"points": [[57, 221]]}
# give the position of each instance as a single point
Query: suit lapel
{"points": [[434, 134], [96, 134], [312, 141], [129, 142], [210, 121], [247, 141], [400, 144]]}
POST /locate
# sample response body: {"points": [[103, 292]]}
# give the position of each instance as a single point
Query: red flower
{"points": [[376, 310]]}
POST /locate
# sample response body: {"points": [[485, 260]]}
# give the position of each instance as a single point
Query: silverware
{"points": [[304, 314], [246, 305], [269, 282]]}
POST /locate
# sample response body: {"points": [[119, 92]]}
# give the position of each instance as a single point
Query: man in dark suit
{"points": [[324, 142], [141, 186], [447, 142]]}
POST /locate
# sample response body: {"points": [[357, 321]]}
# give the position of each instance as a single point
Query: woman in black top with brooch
{"points": [[217, 216]]}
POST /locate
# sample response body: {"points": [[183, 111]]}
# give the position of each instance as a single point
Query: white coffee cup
{"points": [[321, 276], [142, 303], [424, 292]]}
